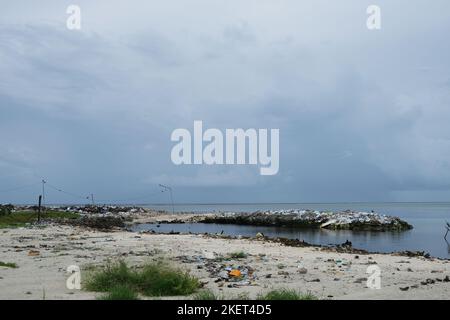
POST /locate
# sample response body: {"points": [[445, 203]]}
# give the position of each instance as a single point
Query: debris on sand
{"points": [[100, 223], [34, 253], [106, 210], [413, 254], [236, 274], [233, 275], [92, 210], [102, 217]]}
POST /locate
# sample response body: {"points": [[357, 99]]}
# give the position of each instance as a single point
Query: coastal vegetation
{"points": [[286, 294], [277, 294], [6, 209], [153, 280], [22, 218], [108, 217], [8, 265], [206, 295], [238, 255], [120, 292]]}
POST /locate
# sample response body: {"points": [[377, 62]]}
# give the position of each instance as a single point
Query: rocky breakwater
{"points": [[340, 220], [105, 217], [102, 217], [105, 210]]}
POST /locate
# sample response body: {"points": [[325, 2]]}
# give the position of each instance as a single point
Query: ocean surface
{"points": [[428, 220]]}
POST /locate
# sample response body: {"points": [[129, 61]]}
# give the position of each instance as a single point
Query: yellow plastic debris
{"points": [[235, 273]]}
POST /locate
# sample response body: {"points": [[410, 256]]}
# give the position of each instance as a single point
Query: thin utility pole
{"points": [[39, 208], [43, 191], [171, 196], [92, 198]]}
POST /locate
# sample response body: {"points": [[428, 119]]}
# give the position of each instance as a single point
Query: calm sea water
{"points": [[428, 220]]}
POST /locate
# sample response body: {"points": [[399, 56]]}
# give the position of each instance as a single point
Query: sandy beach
{"points": [[43, 254], [226, 150]]}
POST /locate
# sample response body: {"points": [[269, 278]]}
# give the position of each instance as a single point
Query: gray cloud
{"points": [[362, 115]]}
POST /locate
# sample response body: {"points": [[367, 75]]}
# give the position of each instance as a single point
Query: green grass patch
{"points": [[242, 296], [238, 255], [206, 295], [120, 293], [153, 279], [8, 265], [286, 294], [22, 218]]}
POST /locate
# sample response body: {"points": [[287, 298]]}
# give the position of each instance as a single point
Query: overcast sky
{"points": [[363, 115]]}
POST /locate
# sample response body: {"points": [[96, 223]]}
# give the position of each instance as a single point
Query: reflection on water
{"points": [[428, 220], [372, 241]]}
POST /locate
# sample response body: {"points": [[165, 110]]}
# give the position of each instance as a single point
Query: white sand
{"points": [[61, 246]]}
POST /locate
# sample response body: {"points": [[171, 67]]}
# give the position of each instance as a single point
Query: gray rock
{"points": [[302, 271]]}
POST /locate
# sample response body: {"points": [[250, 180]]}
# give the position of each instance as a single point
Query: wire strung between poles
{"points": [[143, 197], [65, 192]]}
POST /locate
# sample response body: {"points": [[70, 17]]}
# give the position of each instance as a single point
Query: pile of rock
{"points": [[104, 210], [100, 223], [340, 220]]}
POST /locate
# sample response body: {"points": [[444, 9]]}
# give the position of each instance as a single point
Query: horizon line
{"points": [[243, 203]]}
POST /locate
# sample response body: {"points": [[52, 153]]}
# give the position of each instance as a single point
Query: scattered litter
{"points": [[404, 288], [437, 271], [239, 275], [235, 273], [343, 263], [302, 271], [34, 253], [239, 284], [360, 280], [99, 222], [427, 282], [209, 255]]}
